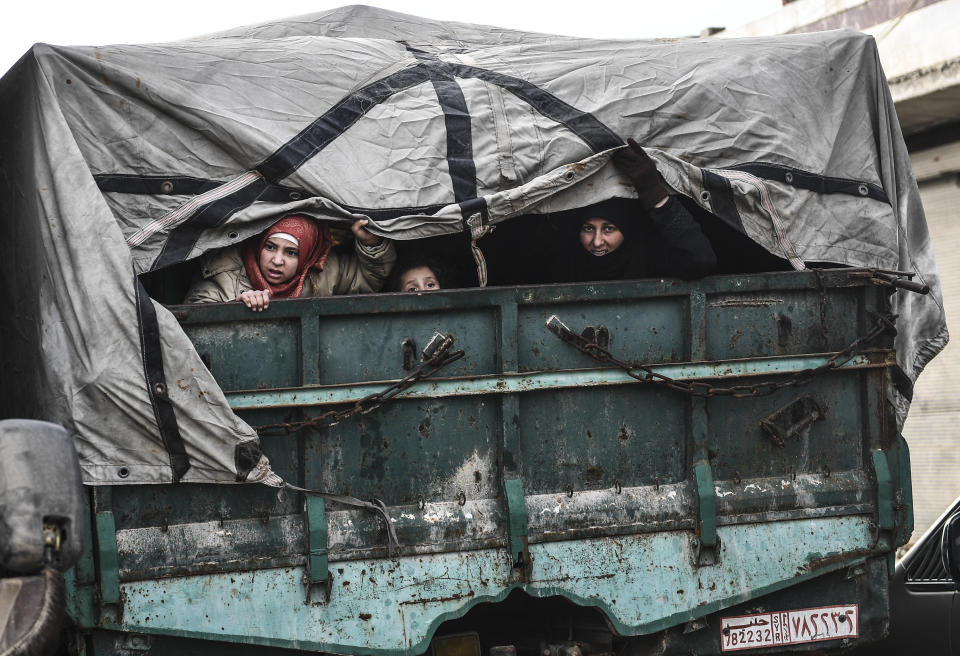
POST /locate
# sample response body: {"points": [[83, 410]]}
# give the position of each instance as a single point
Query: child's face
{"points": [[600, 237], [279, 259], [419, 279]]}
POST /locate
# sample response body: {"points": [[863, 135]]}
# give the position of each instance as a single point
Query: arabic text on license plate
{"points": [[789, 627]]}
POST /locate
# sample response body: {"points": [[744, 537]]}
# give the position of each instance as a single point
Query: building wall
{"points": [[932, 429]]}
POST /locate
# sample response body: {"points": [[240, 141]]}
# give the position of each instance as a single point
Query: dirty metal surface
{"points": [[388, 606], [619, 479]]}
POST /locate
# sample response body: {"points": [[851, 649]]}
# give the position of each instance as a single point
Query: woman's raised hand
{"points": [[257, 300], [361, 233]]}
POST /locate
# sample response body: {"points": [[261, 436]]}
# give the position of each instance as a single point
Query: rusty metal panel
{"points": [[653, 493]]}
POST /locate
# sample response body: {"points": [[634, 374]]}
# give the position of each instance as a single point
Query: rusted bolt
{"points": [[461, 497], [421, 504], [166, 186], [569, 489]]}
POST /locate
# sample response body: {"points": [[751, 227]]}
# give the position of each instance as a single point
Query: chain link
{"points": [[644, 373], [435, 358]]}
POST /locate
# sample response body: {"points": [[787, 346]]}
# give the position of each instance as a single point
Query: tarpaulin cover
{"points": [[120, 160]]}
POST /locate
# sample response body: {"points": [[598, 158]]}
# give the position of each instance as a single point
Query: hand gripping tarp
{"points": [[125, 159]]}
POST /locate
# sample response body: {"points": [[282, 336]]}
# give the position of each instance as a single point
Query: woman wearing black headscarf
{"points": [[653, 236]]}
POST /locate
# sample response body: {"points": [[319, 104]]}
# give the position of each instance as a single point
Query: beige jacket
{"points": [[224, 276]]}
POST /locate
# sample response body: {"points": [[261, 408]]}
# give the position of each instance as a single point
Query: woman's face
{"points": [[600, 237], [279, 259], [419, 279]]}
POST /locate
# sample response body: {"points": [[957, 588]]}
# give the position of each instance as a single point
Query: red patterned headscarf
{"points": [[315, 244]]}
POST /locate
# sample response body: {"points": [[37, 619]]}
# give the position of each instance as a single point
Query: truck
{"points": [[649, 466]]}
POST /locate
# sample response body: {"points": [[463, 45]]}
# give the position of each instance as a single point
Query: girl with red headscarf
{"points": [[293, 258]]}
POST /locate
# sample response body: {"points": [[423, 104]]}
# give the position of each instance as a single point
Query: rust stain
{"points": [[734, 338], [623, 435], [437, 600], [747, 302], [183, 386], [365, 616], [832, 559]]}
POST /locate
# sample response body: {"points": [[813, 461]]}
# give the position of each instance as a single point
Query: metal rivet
{"points": [[123, 472], [160, 389], [233, 234], [295, 195], [166, 186], [704, 196], [863, 189], [568, 175], [789, 178]]}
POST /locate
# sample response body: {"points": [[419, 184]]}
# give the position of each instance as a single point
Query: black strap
{"points": [[184, 237], [721, 200], [152, 357], [334, 122], [812, 181]]}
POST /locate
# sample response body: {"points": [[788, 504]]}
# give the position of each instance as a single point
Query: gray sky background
{"points": [[104, 22]]}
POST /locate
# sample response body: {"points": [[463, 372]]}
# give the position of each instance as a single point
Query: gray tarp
{"points": [[124, 159]]}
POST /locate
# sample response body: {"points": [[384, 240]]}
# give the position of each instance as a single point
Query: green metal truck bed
{"points": [[528, 467]]}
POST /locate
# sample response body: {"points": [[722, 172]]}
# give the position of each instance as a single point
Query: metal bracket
{"points": [[408, 349], [598, 335], [706, 545], [517, 538], [318, 579], [108, 564], [790, 420], [885, 517]]}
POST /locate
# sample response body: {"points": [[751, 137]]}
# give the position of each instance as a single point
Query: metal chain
{"points": [[644, 374], [434, 359]]}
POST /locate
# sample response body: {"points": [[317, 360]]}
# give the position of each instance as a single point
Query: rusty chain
{"points": [[644, 373], [436, 355]]}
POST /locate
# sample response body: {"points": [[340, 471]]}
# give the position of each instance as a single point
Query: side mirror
{"points": [[950, 547]]}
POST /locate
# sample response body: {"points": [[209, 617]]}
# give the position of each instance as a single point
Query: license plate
{"points": [[789, 627]]}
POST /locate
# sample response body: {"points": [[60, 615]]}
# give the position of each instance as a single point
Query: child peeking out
{"points": [[293, 258], [418, 273]]}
